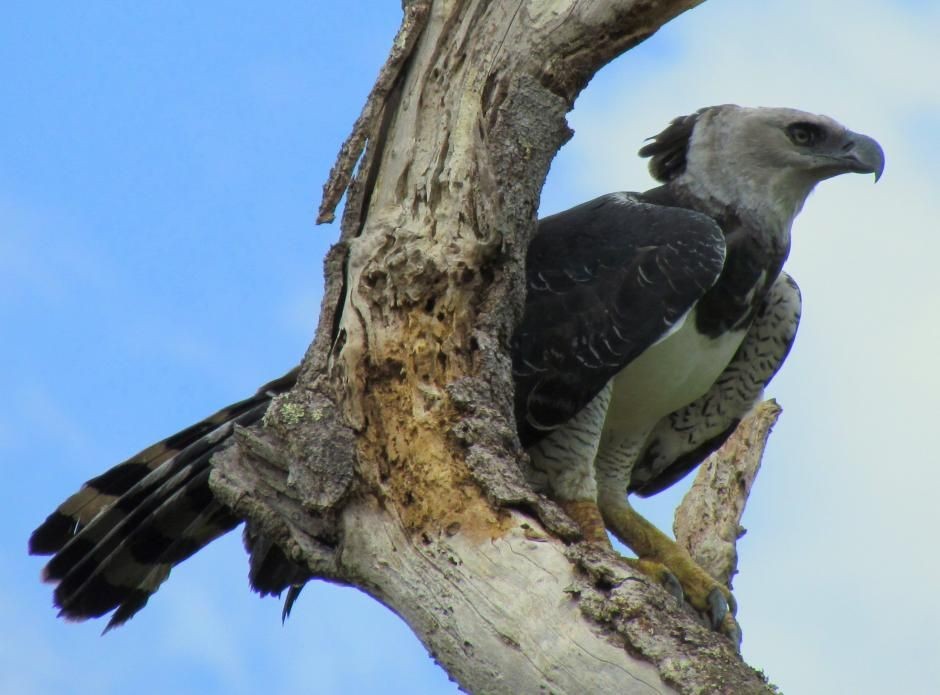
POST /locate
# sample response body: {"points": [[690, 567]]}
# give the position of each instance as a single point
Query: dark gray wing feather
{"points": [[605, 280]]}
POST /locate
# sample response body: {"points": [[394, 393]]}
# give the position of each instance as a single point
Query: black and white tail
{"points": [[115, 540]]}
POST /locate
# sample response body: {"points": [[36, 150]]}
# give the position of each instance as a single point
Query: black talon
{"points": [[672, 584], [717, 607], [732, 604], [732, 631]]}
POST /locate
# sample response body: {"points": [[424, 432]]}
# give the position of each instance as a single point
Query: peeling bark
{"points": [[708, 521], [393, 465]]}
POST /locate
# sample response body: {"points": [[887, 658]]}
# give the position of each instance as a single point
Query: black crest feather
{"points": [[668, 150]]}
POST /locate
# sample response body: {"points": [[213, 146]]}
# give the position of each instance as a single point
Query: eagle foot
{"points": [[667, 563], [716, 604], [661, 559]]}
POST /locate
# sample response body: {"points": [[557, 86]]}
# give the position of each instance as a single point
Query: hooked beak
{"points": [[862, 154]]}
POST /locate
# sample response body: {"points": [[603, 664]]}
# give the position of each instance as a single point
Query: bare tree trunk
{"points": [[394, 466]]}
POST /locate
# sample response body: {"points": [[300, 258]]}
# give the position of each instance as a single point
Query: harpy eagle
{"points": [[652, 323]]}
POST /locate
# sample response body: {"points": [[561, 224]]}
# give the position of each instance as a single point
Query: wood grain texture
{"points": [[708, 521]]}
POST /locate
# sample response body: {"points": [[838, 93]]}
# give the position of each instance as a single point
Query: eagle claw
{"points": [[720, 614], [730, 629], [717, 607], [671, 584]]}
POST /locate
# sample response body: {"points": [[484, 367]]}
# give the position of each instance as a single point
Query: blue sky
{"points": [[160, 169]]}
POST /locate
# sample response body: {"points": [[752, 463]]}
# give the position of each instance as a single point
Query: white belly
{"points": [[667, 376]]}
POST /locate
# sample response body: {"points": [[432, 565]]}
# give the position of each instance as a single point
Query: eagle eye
{"points": [[805, 134]]}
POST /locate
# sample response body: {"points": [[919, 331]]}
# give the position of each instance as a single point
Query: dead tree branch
{"points": [[394, 466], [708, 522]]}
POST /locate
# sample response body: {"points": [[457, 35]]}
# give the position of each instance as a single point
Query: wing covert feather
{"points": [[605, 280]]}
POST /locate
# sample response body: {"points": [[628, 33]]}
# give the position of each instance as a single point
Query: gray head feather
{"points": [[763, 162]]}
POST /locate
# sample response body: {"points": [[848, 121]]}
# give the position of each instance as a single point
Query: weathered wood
{"points": [[708, 521], [393, 465], [416, 14]]}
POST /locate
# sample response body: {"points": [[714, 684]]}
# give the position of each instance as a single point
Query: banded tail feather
{"points": [[115, 540], [270, 571]]}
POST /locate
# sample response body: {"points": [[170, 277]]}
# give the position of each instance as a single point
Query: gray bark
{"points": [[708, 521], [393, 466]]}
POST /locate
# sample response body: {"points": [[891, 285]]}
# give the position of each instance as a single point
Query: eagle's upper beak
{"points": [[862, 154]]}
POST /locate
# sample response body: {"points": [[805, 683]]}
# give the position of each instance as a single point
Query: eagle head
{"points": [[766, 160]]}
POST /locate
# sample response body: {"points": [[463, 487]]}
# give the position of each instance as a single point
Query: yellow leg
{"points": [[588, 518], [656, 551]]}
